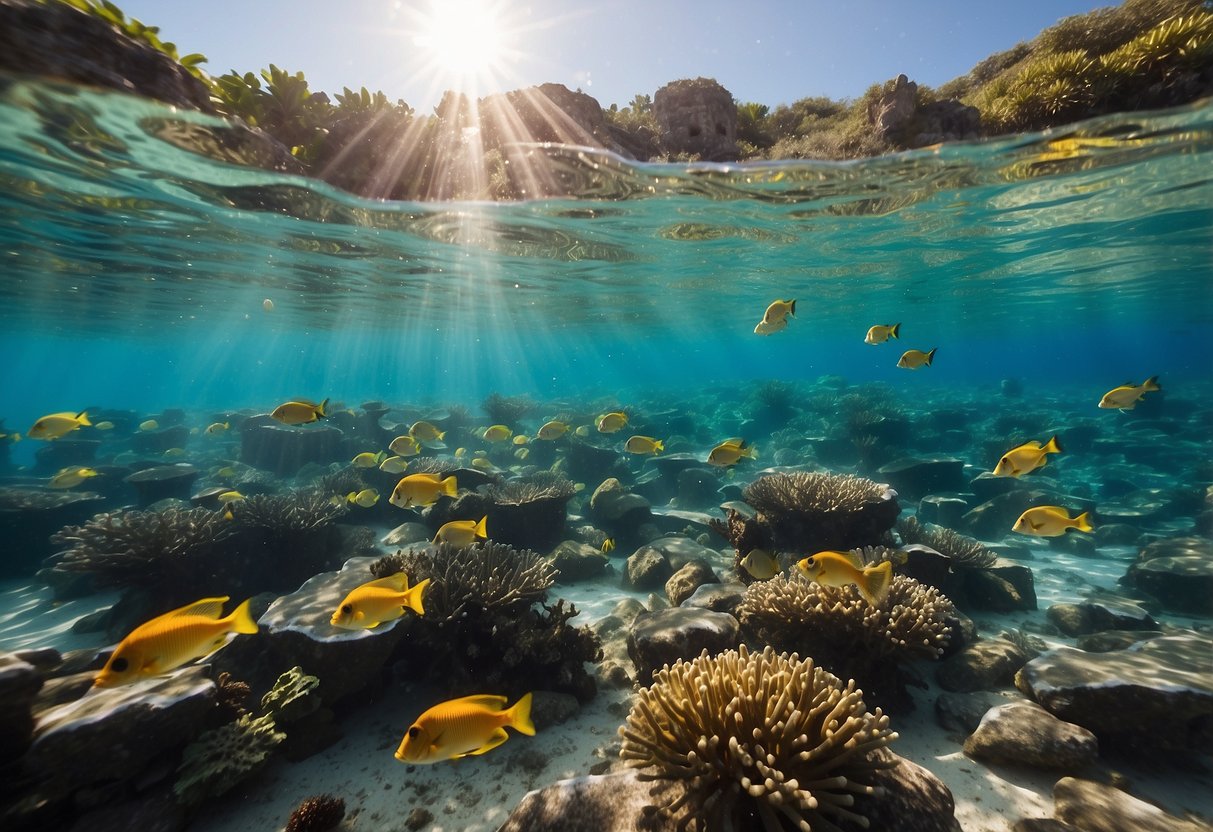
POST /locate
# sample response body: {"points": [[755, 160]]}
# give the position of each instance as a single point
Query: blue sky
{"points": [[772, 52]]}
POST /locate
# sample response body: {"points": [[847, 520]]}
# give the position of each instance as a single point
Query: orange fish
{"points": [[842, 568]]}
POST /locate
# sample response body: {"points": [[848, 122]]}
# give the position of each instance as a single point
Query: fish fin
{"points": [[441, 434], [241, 619], [450, 487], [320, 414], [895, 330], [206, 607], [479, 529], [1150, 384], [520, 716], [1083, 522], [412, 599], [876, 582], [82, 416], [658, 446], [752, 452], [495, 739], [398, 582], [1052, 446], [931, 356], [792, 310], [853, 558]]}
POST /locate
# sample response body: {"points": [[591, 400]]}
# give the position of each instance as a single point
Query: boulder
{"points": [[1005, 586], [946, 121], [716, 597], [545, 113], [163, 482], [160, 440], [915, 477], [607, 801], [892, 112], [985, 486], [407, 533], [1095, 807], [698, 488], [942, 509], [54, 456], [29, 517], [647, 568], [1163, 683], [1182, 581], [680, 550], [1106, 641], [578, 561], [986, 665], [1025, 733], [284, 450], [616, 510], [588, 463], [962, 712], [1099, 614], [19, 684], [915, 800], [995, 517], [524, 519], [663, 637], [689, 577], [697, 117]]}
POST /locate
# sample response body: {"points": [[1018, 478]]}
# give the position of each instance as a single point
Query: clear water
{"points": [[133, 272]]}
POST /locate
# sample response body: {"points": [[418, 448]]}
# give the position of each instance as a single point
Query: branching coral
{"points": [[432, 465], [965, 552], [507, 410], [761, 734], [810, 512], [538, 487], [846, 634], [341, 482], [287, 513], [222, 757]]}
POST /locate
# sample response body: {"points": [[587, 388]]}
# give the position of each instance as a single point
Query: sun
{"points": [[463, 39]]}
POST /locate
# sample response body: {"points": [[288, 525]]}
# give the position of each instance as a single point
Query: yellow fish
{"points": [[582, 431], [1051, 521], [461, 727], [1026, 458], [107, 425], [520, 439], [366, 459], [365, 498], [762, 565], [405, 446], [462, 532], [173, 639], [608, 545], [730, 452], [842, 568], [267, 305], [913, 359], [779, 311], [230, 497], [226, 472], [215, 427], [299, 412], [552, 430], [72, 476], [426, 432], [393, 465], [375, 602], [227, 514], [497, 433], [522, 453], [1126, 396], [174, 452], [879, 334], [644, 445], [612, 422], [57, 424], [483, 464], [422, 490], [765, 328], [460, 453], [150, 424]]}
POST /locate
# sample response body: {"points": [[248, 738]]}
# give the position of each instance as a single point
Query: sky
{"points": [[770, 52]]}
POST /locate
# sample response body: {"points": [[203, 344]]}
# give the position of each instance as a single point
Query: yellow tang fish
{"points": [[170, 640], [405, 446], [1051, 521], [1126, 396], [779, 311], [365, 498], [366, 459], [72, 476], [765, 328], [299, 412], [378, 601], [497, 433], [644, 445], [422, 490], [520, 439], [608, 545], [58, 424], [217, 427], [552, 430], [762, 565], [483, 464], [150, 424], [879, 334], [612, 422], [913, 359], [582, 431], [230, 497], [1026, 458], [393, 465], [426, 432], [460, 453], [842, 568], [106, 425], [460, 727], [730, 452], [462, 532]]}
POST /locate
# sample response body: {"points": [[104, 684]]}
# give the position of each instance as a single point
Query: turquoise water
{"points": [[134, 271]]}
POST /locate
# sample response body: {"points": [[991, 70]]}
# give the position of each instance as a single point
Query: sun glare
{"points": [[463, 38]]}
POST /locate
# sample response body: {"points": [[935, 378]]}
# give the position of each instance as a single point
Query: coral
{"points": [[528, 513], [288, 513], [811, 511], [341, 482], [318, 813], [744, 534], [507, 410], [292, 697], [432, 465], [230, 695], [542, 485], [765, 735], [222, 757], [965, 552], [846, 634]]}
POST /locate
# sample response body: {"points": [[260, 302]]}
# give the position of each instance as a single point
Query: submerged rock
{"points": [[164, 482], [578, 561], [1177, 571], [284, 450], [1025, 733], [647, 568], [29, 517], [1095, 807], [962, 712], [689, 577], [916, 477], [665, 636], [988, 664], [19, 684]]}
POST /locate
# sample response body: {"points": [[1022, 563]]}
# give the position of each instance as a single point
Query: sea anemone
{"points": [[766, 735], [811, 511], [318, 813]]}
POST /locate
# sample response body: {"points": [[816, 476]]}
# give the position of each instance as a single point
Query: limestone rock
{"points": [[1181, 581], [962, 712], [915, 477], [407, 533], [942, 509], [1025, 733], [545, 113], [1005, 586], [716, 597], [615, 509], [163, 482], [29, 517], [597, 802], [915, 800], [681, 550], [683, 583], [19, 684], [1094, 807], [698, 487], [1099, 614], [647, 568], [665, 636], [284, 450], [1105, 641], [1163, 683], [578, 561], [894, 109], [697, 116], [988, 664]]}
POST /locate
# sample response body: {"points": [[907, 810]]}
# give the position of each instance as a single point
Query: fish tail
{"points": [[412, 598], [520, 716], [1053, 446], [450, 487], [1150, 384], [1083, 522], [875, 582], [894, 332], [793, 309], [441, 435], [479, 528], [931, 356], [658, 446], [241, 619], [82, 418], [320, 414], [752, 452]]}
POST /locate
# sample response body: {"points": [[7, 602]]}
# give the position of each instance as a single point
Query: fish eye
{"points": [[347, 608], [414, 732], [119, 665]]}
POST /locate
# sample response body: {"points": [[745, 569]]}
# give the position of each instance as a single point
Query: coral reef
{"points": [[432, 465], [965, 552], [528, 513], [745, 533], [761, 735], [292, 697], [341, 482], [288, 513], [845, 634], [222, 757], [318, 813], [811, 511], [506, 410]]}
